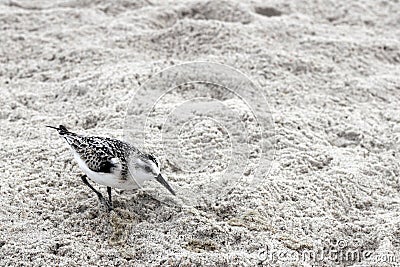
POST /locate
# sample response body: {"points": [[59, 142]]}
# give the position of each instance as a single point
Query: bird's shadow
{"points": [[137, 208], [131, 209], [146, 207]]}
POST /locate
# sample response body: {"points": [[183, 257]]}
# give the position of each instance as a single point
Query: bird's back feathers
{"points": [[100, 154]]}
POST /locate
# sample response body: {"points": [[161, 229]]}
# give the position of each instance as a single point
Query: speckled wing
{"points": [[101, 154]]}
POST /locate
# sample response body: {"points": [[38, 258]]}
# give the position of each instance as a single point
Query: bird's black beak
{"points": [[162, 181]]}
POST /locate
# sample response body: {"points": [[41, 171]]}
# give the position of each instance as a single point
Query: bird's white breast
{"points": [[113, 179]]}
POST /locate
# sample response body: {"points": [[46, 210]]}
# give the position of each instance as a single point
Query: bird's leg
{"points": [[101, 198], [109, 196]]}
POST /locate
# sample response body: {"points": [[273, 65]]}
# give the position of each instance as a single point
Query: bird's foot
{"points": [[109, 206]]}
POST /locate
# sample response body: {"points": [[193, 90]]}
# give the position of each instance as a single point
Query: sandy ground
{"points": [[329, 69]]}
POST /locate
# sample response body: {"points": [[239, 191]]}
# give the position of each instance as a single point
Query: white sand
{"points": [[330, 71]]}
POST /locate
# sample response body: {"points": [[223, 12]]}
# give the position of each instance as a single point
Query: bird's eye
{"points": [[147, 168]]}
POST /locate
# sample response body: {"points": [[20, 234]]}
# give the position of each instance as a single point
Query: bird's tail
{"points": [[61, 129]]}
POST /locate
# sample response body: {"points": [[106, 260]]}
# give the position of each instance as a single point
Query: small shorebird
{"points": [[111, 162]]}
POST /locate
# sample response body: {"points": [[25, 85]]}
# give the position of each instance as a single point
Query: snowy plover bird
{"points": [[111, 162]]}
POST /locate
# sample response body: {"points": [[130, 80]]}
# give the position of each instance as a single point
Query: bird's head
{"points": [[147, 167]]}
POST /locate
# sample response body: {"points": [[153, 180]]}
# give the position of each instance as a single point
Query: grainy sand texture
{"points": [[327, 191]]}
